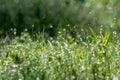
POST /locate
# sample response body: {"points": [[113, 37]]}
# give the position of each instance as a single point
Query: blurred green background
{"points": [[53, 16]]}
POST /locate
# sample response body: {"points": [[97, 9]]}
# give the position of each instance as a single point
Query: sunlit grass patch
{"points": [[96, 58]]}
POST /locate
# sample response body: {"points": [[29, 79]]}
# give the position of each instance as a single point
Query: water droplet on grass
{"points": [[115, 77], [83, 68], [14, 66]]}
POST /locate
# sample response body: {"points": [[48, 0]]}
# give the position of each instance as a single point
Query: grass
{"points": [[96, 58]]}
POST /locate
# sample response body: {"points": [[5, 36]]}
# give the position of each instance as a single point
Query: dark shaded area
{"points": [[42, 14]]}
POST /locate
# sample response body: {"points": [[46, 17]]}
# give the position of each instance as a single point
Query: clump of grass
{"points": [[96, 58]]}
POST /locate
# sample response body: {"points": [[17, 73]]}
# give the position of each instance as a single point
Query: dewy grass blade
{"points": [[93, 34], [106, 38]]}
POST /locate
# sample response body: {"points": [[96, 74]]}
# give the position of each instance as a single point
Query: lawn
{"points": [[97, 57]]}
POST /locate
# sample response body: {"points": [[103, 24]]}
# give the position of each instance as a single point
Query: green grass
{"points": [[96, 58]]}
